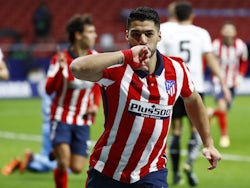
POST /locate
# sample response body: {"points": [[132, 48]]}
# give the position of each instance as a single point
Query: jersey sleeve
{"points": [[97, 94], [188, 85], [243, 59], [207, 42], [111, 74], [54, 76]]}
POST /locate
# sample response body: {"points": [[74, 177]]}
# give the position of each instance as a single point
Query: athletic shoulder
{"points": [[168, 27], [198, 30], [216, 42], [177, 59], [239, 41], [172, 59]]}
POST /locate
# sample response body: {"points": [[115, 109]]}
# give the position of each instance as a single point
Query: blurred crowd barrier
{"points": [[28, 65]]}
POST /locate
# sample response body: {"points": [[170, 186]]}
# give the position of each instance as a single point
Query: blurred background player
{"points": [[172, 21], [37, 162], [4, 72], [233, 56], [42, 21], [191, 43], [75, 102]]}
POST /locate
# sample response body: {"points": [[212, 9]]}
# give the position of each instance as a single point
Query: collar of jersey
{"points": [[71, 53], [157, 72]]}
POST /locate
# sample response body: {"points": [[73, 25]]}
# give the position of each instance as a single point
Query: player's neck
{"points": [[186, 22], [79, 51], [152, 64]]}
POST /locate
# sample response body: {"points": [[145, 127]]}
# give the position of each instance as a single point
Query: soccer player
{"points": [[139, 88], [75, 102], [41, 162], [37, 162], [191, 43], [4, 72], [172, 20], [233, 56]]}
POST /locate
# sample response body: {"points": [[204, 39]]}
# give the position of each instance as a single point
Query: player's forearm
{"points": [[197, 114], [214, 66], [91, 67], [243, 67], [53, 83], [4, 73]]}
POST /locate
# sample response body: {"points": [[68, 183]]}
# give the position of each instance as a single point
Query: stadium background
{"points": [[28, 60]]}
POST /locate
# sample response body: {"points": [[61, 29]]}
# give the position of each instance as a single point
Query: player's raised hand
{"points": [[61, 57]]}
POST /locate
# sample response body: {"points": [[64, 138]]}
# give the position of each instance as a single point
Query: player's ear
{"points": [[192, 17], [159, 36], [126, 36], [78, 35]]}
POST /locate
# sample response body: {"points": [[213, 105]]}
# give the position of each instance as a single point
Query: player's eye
{"points": [[136, 35], [149, 34]]}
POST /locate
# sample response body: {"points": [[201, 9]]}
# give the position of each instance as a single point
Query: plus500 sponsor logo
{"points": [[149, 110]]}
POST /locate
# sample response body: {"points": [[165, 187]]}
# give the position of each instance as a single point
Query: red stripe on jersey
{"points": [[66, 103], [110, 108], [79, 103], [161, 159], [139, 148], [124, 130]]}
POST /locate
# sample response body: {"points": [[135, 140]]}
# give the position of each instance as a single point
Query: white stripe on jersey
{"points": [[1, 55], [112, 136], [53, 69], [129, 147], [105, 82], [135, 175], [134, 134], [72, 107], [84, 107], [153, 166]]}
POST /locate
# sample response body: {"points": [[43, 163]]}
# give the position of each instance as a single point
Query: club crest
{"points": [[170, 87]]}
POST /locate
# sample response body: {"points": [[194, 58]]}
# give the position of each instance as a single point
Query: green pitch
{"points": [[22, 118]]}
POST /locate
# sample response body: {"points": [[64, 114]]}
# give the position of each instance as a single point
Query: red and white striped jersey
{"points": [[233, 60], [72, 97], [138, 110]]}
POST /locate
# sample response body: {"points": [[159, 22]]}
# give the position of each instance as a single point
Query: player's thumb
{"points": [[206, 153]]}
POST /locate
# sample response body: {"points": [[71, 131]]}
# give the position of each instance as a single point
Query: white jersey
{"points": [[231, 59], [188, 42]]}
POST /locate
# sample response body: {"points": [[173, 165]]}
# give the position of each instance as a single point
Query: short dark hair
{"points": [[143, 14], [228, 22], [76, 24], [183, 10]]}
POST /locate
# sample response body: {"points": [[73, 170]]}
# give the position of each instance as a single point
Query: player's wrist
{"points": [[127, 55]]}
